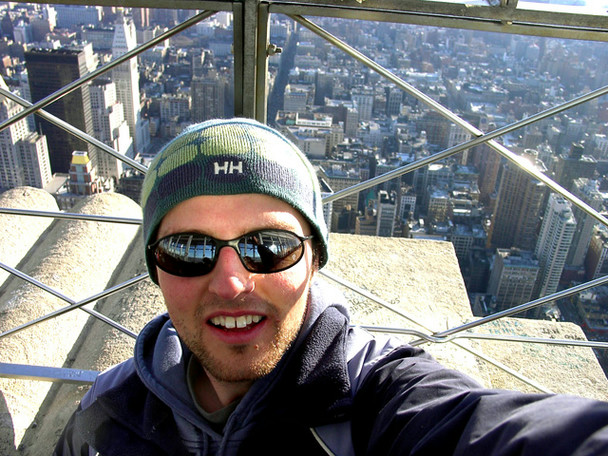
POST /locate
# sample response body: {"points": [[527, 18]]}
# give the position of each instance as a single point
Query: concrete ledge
{"points": [[77, 259], [16, 241], [423, 280]]}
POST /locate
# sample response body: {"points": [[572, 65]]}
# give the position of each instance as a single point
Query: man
{"points": [[256, 356]]}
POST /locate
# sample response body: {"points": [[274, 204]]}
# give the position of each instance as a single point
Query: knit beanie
{"points": [[229, 157]]}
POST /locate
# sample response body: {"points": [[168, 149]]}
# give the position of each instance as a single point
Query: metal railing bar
{"points": [[72, 304], [497, 337], [71, 216], [49, 374], [217, 5], [76, 132], [505, 368], [99, 71], [526, 306], [385, 304], [534, 340], [458, 121], [399, 11], [370, 296], [503, 25]]}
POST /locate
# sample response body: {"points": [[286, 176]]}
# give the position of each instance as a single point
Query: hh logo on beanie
{"points": [[228, 167]]}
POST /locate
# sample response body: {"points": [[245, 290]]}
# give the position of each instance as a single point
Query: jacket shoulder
{"points": [[109, 379]]}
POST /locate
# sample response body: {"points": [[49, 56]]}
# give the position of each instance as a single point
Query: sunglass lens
{"points": [[270, 251], [186, 255]]}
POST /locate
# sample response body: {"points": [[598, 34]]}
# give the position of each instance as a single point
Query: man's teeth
{"points": [[235, 322]]}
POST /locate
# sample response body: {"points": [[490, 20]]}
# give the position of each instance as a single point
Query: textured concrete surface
{"points": [[20, 232], [420, 280], [77, 259]]}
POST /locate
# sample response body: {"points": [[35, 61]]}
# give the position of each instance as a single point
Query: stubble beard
{"points": [[245, 363]]}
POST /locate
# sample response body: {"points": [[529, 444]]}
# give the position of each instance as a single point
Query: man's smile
{"points": [[240, 322]]}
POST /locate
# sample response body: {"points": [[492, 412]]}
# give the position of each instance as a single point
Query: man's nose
{"points": [[229, 278]]}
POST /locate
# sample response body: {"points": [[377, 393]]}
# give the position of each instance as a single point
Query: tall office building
{"points": [[24, 156], [298, 97], [519, 207], [553, 243], [141, 17], [386, 212], [394, 98], [487, 161], [596, 264], [208, 97], [110, 127], [48, 71], [513, 277], [126, 78], [574, 165], [588, 191], [364, 99], [338, 179], [458, 135]]}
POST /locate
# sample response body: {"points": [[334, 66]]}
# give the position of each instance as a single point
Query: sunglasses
{"points": [[195, 254]]}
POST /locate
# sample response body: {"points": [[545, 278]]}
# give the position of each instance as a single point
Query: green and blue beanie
{"points": [[230, 157]]}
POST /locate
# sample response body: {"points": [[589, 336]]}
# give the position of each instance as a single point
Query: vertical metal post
{"points": [[248, 49], [237, 51], [261, 94]]}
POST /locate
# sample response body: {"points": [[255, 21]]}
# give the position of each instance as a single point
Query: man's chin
{"points": [[242, 365]]}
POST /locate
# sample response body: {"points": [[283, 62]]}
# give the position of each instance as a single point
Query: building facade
{"points": [[556, 233], [48, 71], [513, 277]]}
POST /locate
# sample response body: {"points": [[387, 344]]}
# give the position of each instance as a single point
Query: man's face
{"points": [[203, 308]]}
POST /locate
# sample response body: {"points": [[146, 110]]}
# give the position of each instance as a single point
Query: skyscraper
{"points": [[24, 156], [387, 209], [207, 97], [364, 98], [48, 71], [513, 277], [110, 127], [574, 165], [141, 17], [588, 191], [553, 243], [126, 78], [519, 206], [595, 262], [394, 98]]}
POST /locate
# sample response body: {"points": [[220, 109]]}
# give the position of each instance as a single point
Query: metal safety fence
{"points": [[251, 19]]}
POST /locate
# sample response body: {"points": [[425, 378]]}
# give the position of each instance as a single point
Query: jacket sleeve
{"points": [[71, 443], [411, 405]]}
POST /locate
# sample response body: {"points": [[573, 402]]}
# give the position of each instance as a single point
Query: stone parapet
{"points": [[77, 259], [422, 279], [19, 233]]}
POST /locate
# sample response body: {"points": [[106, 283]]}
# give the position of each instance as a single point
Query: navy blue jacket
{"points": [[338, 390]]}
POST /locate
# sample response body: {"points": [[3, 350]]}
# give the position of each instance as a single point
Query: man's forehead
{"points": [[233, 213]]}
